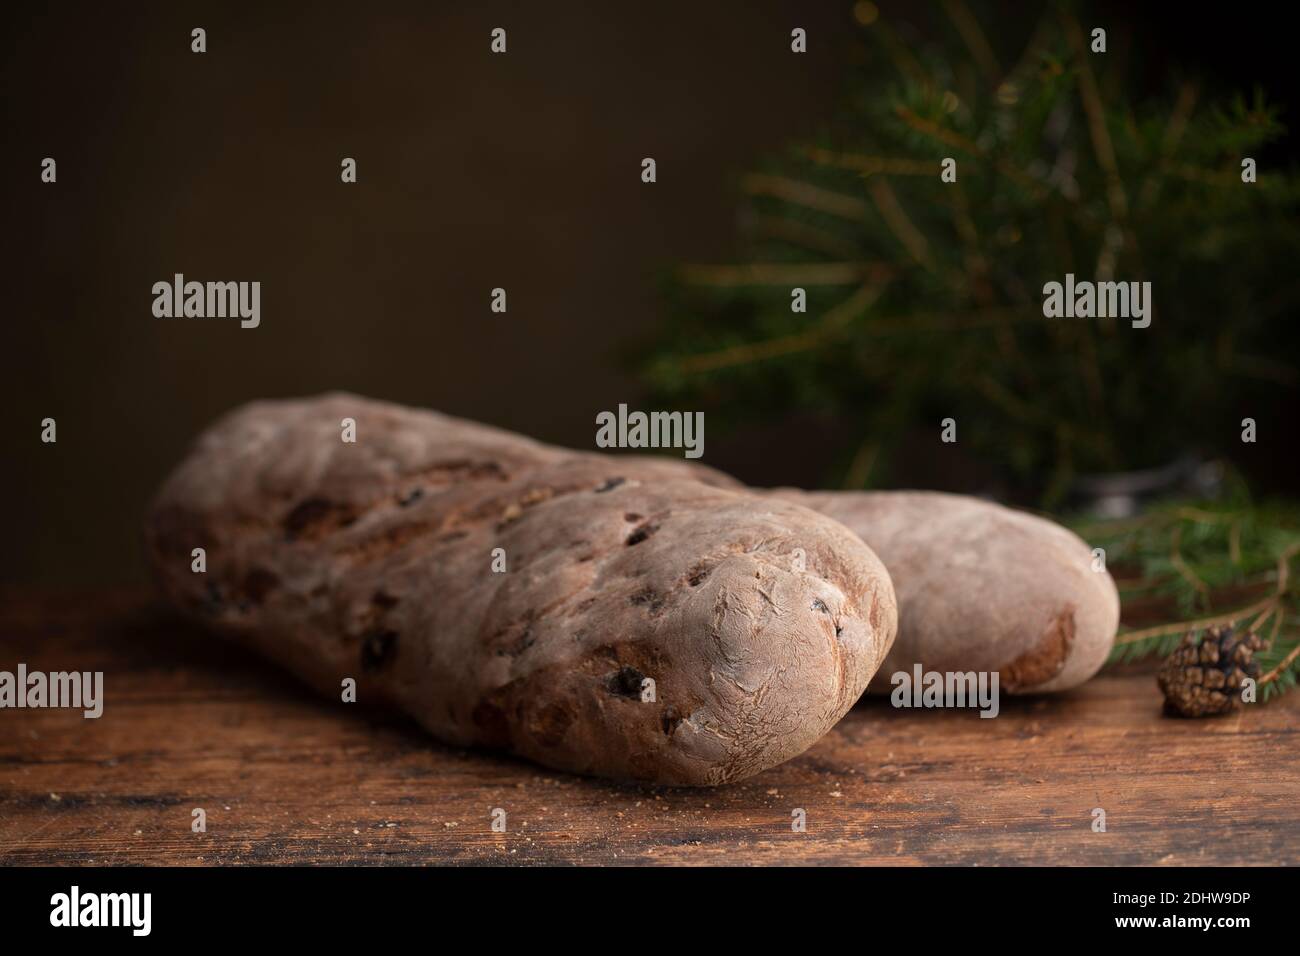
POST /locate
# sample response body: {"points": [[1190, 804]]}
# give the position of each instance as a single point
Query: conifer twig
{"points": [[1285, 663], [1063, 155], [749, 352], [906, 64], [958, 141], [1265, 605], [804, 194], [1176, 558], [805, 235], [870, 165], [1096, 113], [891, 211], [1173, 136], [1199, 624], [969, 29]]}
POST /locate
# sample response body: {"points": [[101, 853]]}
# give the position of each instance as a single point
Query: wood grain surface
{"points": [[285, 777]]}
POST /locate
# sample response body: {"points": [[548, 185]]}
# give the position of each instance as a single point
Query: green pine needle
{"points": [[924, 297], [1212, 563]]}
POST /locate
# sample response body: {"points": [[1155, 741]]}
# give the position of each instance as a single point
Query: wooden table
{"points": [[192, 722]]}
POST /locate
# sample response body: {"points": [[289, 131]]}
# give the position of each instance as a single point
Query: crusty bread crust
{"points": [[760, 622], [982, 587]]}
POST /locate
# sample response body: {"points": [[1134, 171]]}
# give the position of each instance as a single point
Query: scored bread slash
{"points": [[606, 615]]}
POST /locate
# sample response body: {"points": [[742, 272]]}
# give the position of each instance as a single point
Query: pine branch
{"points": [[1058, 170], [1206, 555]]}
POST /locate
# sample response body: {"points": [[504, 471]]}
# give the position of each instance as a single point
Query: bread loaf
{"points": [[647, 625], [981, 587]]}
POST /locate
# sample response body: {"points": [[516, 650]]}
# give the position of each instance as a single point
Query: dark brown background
{"points": [[475, 171]]}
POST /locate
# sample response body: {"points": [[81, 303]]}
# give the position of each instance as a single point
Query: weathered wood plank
{"points": [[285, 777]]}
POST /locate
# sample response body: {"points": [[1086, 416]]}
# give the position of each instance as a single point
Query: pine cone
{"points": [[1203, 677]]}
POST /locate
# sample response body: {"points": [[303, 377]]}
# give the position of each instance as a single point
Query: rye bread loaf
{"points": [[981, 587], [758, 621]]}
